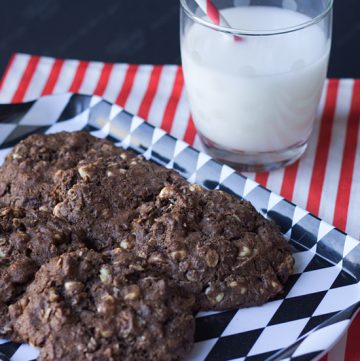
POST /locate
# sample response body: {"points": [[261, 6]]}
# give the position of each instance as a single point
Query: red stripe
{"points": [[6, 72], [212, 12], [25, 79], [324, 358], [352, 351], [173, 101], [127, 86], [262, 178], [323, 146], [53, 77], [348, 162], [190, 132], [104, 79], [288, 184], [150, 92], [79, 76]]}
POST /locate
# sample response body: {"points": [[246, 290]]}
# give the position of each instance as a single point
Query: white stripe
{"points": [[333, 168], [66, 76], [181, 118], [163, 94], [139, 88], [13, 78], [338, 351], [91, 78], [306, 165], [275, 180], [115, 82], [353, 224], [39, 78]]}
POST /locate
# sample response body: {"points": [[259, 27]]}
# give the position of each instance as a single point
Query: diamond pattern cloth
{"points": [[323, 294]]}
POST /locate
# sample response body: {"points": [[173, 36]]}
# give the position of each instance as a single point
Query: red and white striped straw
{"points": [[213, 13]]}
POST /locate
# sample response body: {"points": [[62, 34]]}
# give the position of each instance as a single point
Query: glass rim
{"points": [[244, 32]]}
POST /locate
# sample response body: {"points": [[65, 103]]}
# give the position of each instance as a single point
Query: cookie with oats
{"points": [[90, 306], [28, 238], [106, 198], [214, 245], [39, 170]]}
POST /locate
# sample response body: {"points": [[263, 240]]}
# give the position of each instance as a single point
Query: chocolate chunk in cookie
{"points": [[28, 239], [90, 306]]}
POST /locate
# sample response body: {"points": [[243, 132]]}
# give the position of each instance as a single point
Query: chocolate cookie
{"points": [[37, 164], [27, 240], [105, 199], [90, 306], [214, 245]]}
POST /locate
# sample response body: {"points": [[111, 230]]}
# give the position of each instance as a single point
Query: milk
{"points": [[259, 94]]}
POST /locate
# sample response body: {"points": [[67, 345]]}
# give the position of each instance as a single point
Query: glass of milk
{"points": [[254, 100]]}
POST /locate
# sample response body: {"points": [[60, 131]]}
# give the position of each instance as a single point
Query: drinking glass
{"points": [[254, 88]]}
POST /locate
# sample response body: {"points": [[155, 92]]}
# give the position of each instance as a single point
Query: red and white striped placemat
{"points": [[326, 181]]}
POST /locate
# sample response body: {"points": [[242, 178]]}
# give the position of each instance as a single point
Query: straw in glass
{"points": [[214, 14]]}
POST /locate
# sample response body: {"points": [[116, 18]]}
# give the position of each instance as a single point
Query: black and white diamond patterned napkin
{"points": [[322, 295]]}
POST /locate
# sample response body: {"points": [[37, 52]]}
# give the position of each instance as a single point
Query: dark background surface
{"points": [[135, 31]]}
